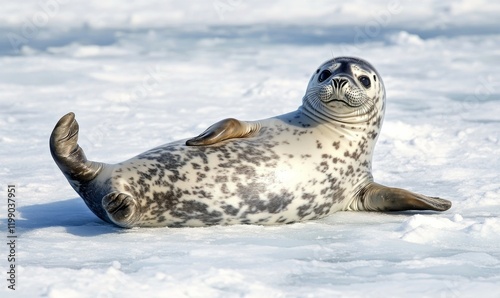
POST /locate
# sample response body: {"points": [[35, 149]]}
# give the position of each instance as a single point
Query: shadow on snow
{"points": [[71, 214]]}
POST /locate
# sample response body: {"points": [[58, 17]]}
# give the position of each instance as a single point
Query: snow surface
{"points": [[144, 73]]}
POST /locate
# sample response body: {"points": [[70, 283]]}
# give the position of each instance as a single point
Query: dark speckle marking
{"points": [[221, 179], [230, 210], [372, 134]]}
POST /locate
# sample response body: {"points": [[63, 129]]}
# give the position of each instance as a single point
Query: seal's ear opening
{"points": [[376, 197]]}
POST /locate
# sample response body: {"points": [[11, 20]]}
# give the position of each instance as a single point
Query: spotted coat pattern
{"points": [[299, 166]]}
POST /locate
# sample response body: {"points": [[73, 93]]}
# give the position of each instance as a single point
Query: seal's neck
{"points": [[360, 130], [354, 120]]}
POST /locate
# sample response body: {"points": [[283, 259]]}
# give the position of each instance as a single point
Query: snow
{"points": [[144, 73]]}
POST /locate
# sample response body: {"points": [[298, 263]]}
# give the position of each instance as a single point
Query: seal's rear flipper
{"points": [[68, 155], [122, 209], [223, 130], [376, 197]]}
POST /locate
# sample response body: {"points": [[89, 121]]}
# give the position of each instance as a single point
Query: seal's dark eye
{"points": [[365, 81], [325, 74]]}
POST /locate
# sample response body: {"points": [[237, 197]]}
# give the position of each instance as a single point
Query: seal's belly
{"points": [[239, 181]]}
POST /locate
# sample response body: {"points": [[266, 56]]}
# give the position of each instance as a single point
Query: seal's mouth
{"points": [[342, 90], [335, 100]]}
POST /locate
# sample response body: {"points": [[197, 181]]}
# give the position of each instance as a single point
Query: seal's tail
{"points": [[68, 155]]}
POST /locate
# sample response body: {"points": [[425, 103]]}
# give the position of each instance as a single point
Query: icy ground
{"points": [[142, 73]]}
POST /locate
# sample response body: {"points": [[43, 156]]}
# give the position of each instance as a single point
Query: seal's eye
{"points": [[365, 81], [325, 74]]}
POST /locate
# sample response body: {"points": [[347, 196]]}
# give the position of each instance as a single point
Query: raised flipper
{"points": [[122, 209], [223, 130], [68, 155], [376, 197]]}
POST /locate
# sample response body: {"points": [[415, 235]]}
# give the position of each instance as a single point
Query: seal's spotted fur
{"points": [[293, 167]]}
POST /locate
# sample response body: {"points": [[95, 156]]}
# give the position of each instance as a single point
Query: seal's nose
{"points": [[339, 82]]}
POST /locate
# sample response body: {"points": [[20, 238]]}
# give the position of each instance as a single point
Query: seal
{"points": [[294, 167]]}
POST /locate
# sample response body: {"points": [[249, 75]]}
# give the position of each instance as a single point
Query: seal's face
{"points": [[345, 87]]}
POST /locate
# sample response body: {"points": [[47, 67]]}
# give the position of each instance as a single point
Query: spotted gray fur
{"points": [[298, 166]]}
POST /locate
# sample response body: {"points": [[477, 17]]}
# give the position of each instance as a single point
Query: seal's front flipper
{"points": [[376, 197], [224, 130]]}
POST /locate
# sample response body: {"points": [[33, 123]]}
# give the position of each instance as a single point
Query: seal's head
{"points": [[347, 90]]}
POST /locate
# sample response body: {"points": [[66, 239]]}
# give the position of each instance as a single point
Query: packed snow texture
{"points": [[138, 74]]}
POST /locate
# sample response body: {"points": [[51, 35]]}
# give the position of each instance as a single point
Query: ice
{"points": [[143, 73]]}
